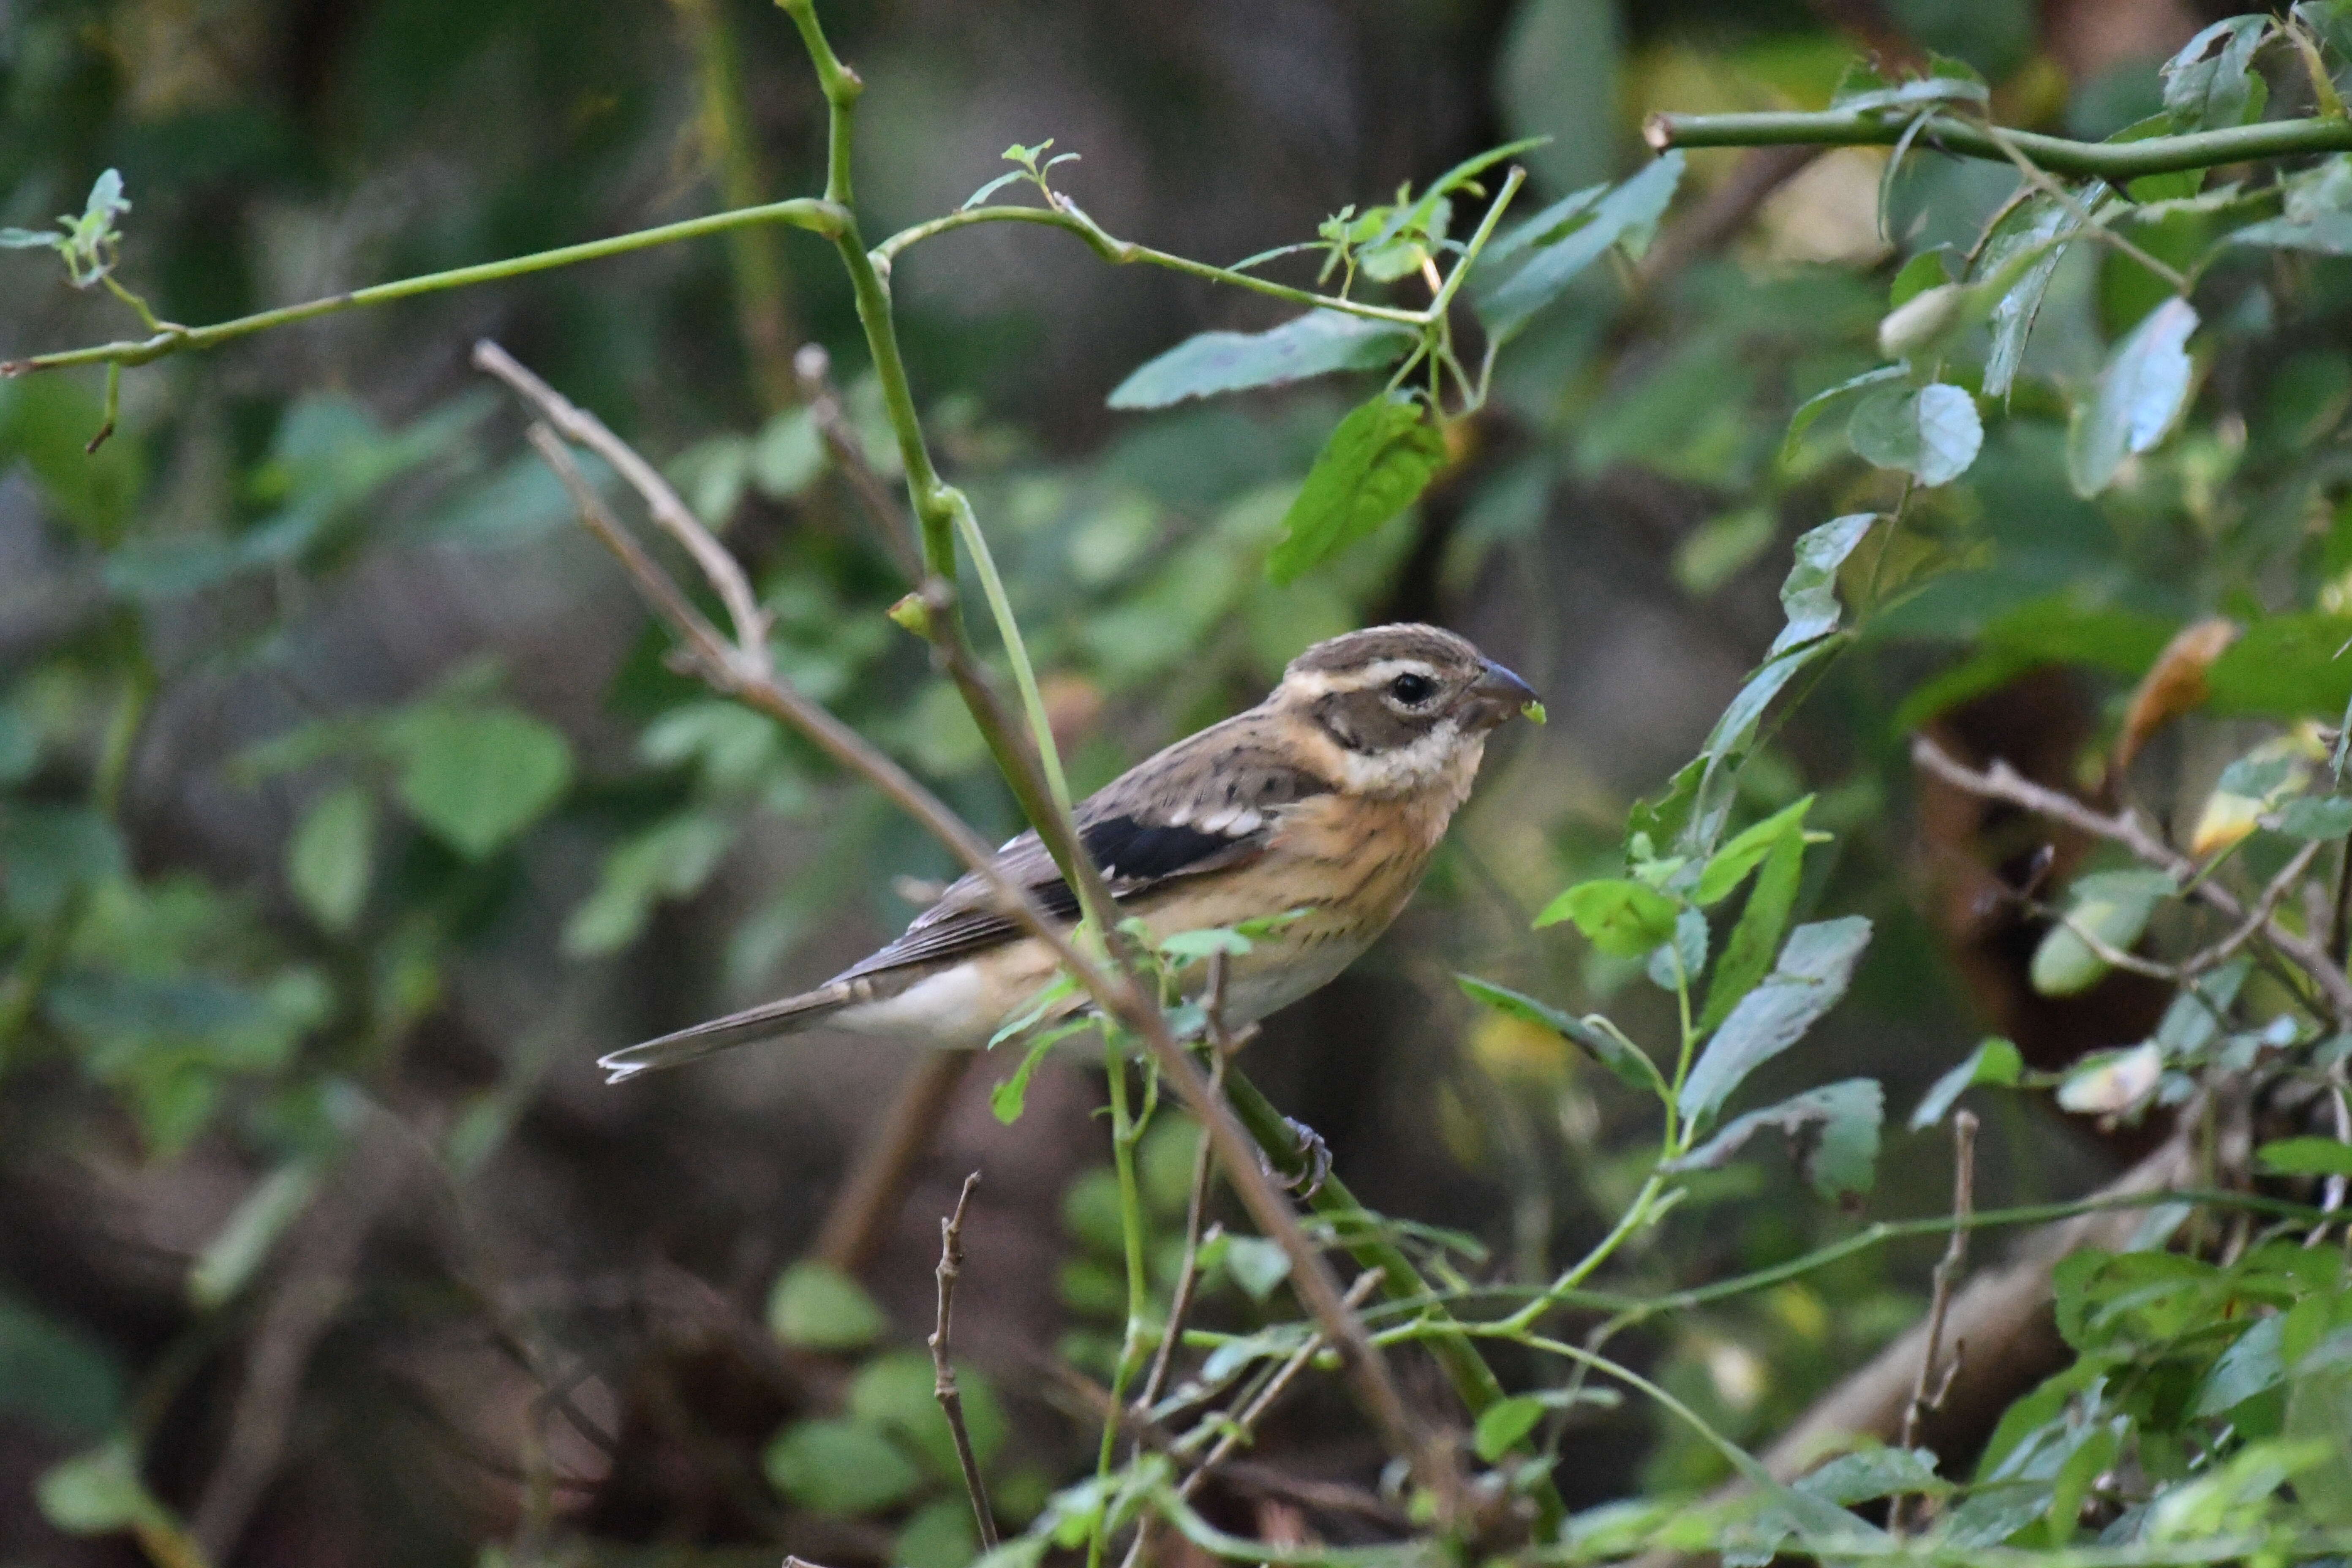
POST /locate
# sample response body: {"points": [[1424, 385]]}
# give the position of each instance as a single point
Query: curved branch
{"points": [[802, 212]]}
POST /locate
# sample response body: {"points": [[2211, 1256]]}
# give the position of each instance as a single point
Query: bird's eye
{"points": [[1413, 691]]}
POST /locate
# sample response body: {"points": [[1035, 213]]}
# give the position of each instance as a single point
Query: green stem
{"points": [[1443, 1335], [804, 212], [1121, 252], [841, 87], [2112, 161], [762, 287], [1124, 1132]]}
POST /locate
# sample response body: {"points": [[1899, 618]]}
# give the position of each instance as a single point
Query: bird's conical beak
{"points": [[1503, 696]]}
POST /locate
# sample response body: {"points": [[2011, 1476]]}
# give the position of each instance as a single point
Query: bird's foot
{"points": [[1315, 1155]]}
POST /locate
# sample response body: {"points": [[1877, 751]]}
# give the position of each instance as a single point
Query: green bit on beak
{"points": [[1532, 711]]}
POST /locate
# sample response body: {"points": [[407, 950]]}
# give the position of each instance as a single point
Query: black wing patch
{"points": [[1134, 853], [1131, 851]]}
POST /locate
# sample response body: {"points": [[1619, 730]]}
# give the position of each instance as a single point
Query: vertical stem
{"points": [[1124, 1130], [841, 86], [762, 286]]}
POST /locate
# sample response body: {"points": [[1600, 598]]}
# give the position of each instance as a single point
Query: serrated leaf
{"points": [[1930, 432], [2041, 223], [816, 1307], [1621, 917], [1994, 1061], [1811, 975], [2210, 84], [331, 855], [475, 777], [1375, 464], [2140, 394], [1313, 345], [1834, 1130], [1503, 307]]}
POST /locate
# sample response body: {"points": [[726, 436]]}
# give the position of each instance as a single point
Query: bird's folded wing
{"points": [[1175, 817]]}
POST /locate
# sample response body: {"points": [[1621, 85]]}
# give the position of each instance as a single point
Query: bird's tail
{"points": [[766, 1021]]}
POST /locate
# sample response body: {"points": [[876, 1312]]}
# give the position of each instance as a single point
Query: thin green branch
{"points": [[804, 212], [1073, 218], [841, 86], [2112, 161]]}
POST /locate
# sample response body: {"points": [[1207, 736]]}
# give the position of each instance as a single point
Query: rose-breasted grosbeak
{"points": [[1327, 798]]}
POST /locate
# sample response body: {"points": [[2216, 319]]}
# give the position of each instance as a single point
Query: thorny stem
{"points": [[2115, 162], [943, 1379]]}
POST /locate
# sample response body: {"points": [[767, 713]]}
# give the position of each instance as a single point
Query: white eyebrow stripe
{"points": [[1323, 682]]}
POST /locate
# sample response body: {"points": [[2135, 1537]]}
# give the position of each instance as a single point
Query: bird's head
{"points": [[1408, 706]]}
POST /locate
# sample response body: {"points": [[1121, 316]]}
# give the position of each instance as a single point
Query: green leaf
{"points": [[1256, 1264], [2306, 1157], [55, 1376], [787, 455], [1931, 432], [1007, 1100], [47, 853], [2108, 1083], [2140, 394], [1621, 917], [1811, 977], [260, 1218], [2040, 227], [1313, 345], [1679, 961], [1747, 956], [939, 1535], [816, 1307], [1833, 1129], [2210, 84], [1593, 1035], [670, 859], [1503, 1425], [31, 239], [1729, 865], [2317, 818], [46, 421], [896, 1393], [1809, 595], [1871, 1473], [475, 777], [840, 1467], [1376, 464], [2319, 1412], [2113, 906], [97, 1493], [2250, 1365], [1994, 1061], [1553, 264], [331, 855]]}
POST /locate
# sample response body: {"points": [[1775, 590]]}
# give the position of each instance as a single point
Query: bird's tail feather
{"points": [[766, 1021]]}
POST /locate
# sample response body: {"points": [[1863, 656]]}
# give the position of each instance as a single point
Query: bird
{"points": [[1314, 812]]}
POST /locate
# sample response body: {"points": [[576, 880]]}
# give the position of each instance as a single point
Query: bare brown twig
{"points": [[1948, 1274], [943, 1381], [2002, 782], [1239, 1429]]}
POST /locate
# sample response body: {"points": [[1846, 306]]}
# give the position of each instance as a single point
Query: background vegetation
{"points": [[349, 806]]}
